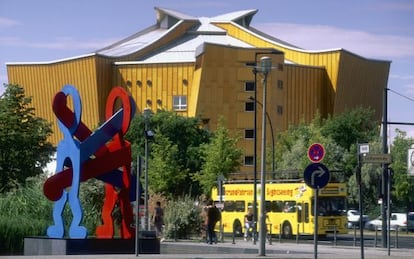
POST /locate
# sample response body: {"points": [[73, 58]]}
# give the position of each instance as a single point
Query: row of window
{"points": [[271, 206], [180, 101]]}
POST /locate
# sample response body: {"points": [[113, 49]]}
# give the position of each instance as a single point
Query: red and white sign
{"points": [[316, 153]]}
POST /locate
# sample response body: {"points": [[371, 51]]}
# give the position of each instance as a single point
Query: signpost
{"points": [[377, 158], [316, 176]]}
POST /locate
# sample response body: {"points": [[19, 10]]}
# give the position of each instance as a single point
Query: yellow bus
{"points": [[289, 207]]}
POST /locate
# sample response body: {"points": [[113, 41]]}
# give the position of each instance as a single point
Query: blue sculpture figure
{"points": [[77, 146]]}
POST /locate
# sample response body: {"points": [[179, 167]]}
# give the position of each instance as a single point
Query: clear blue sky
{"points": [[46, 30]]}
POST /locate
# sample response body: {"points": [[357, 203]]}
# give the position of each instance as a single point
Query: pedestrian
{"points": [[213, 215], [248, 223], [158, 219]]}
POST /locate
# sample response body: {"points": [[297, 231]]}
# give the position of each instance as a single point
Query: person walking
{"points": [[158, 219], [213, 215]]}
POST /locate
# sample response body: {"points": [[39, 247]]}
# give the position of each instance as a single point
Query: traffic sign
{"points": [[316, 175], [377, 158], [316, 152]]}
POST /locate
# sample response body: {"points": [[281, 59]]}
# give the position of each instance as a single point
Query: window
{"points": [[179, 103], [248, 160], [249, 86], [249, 133], [280, 66], [280, 84], [234, 206], [249, 106], [280, 109]]}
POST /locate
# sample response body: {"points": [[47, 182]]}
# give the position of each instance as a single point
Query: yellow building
{"points": [[204, 67]]}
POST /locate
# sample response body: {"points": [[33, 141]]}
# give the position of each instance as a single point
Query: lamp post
{"points": [[255, 70], [271, 128], [147, 135], [265, 67]]}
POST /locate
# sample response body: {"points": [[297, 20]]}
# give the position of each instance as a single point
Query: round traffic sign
{"points": [[316, 175], [316, 152]]}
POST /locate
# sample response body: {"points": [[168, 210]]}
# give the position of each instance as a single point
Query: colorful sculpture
{"points": [[83, 154]]}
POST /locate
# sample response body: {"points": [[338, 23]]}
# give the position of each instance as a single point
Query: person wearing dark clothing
{"points": [[158, 219], [213, 215]]}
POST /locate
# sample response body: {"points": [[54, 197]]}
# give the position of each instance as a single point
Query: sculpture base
{"points": [[56, 246]]}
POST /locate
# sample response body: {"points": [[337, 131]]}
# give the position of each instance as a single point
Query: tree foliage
{"points": [[174, 153], [24, 146], [221, 157], [292, 150], [348, 128], [166, 176], [402, 183]]}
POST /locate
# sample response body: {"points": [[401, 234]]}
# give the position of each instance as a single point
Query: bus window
{"points": [[330, 206], [234, 206], [277, 206], [306, 212], [240, 206], [290, 206], [300, 214], [268, 206], [229, 206]]}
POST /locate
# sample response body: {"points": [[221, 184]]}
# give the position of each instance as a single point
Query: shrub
{"points": [[182, 218]]}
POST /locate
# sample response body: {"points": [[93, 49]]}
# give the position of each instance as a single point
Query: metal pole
{"points": [[271, 128], [315, 234], [147, 112], [266, 66], [384, 204], [137, 199], [389, 212], [361, 229], [255, 154]]}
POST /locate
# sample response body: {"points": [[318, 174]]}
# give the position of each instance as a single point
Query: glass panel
{"points": [[330, 206]]}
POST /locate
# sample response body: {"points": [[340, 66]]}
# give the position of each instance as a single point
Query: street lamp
{"points": [[256, 69], [265, 67], [271, 128], [148, 135]]}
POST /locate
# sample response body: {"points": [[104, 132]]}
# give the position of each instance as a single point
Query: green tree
{"points": [[24, 146], [370, 180], [351, 127], [222, 157], [174, 153], [166, 176], [403, 185], [293, 146]]}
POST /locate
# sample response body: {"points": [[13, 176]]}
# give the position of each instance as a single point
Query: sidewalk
{"points": [[247, 250]]}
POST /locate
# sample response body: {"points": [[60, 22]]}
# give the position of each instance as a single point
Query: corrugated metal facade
{"points": [[91, 76], [301, 83]]}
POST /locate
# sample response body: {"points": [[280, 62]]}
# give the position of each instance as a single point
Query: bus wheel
{"points": [[287, 230], [237, 228]]}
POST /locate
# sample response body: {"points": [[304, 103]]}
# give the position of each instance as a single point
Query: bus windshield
{"points": [[330, 206]]}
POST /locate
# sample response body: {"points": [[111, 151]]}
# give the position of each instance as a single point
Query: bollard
{"points": [[221, 233], [280, 233], [297, 236], [175, 231], [234, 235], [376, 237], [353, 225], [334, 235], [396, 236], [270, 234]]}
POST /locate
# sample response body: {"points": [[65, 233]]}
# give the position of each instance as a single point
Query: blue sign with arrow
{"points": [[316, 175]]}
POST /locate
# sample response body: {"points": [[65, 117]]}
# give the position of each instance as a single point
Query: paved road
{"points": [[246, 250]]}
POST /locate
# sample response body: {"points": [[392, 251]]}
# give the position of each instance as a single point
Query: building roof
{"points": [[183, 50]]}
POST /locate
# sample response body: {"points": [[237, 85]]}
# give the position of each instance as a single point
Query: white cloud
{"points": [[319, 37], [5, 22]]}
